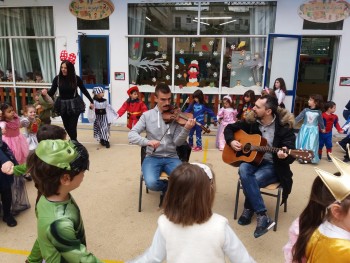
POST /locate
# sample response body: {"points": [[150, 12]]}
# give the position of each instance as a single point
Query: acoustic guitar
{"points": [[253, 148]]}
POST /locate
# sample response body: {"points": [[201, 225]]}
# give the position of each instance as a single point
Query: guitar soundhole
{"points": [[247, 148]]}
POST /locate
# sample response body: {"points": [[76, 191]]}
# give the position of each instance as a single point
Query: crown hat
{"points": [[339, 186]]}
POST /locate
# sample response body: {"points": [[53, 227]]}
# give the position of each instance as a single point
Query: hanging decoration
{"points": [[91, 9], [321, 11]]}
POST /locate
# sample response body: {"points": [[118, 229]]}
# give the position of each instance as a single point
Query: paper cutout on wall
{"points": [[182, 61], [155, 43], [136, 45], [205, 47]]}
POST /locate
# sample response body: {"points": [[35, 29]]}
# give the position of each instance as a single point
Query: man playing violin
{"points": [[161, 140], [276, 126]]}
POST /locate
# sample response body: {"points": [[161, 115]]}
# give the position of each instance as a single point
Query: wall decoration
{"points": [[91, 9], [119, 75], [344, 81], [321, 11]]}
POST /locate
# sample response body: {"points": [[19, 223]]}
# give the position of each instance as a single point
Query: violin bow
{"points": [[171, 123]]}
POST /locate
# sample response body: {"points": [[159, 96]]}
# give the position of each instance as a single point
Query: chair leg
{"points": [[277, 208], [140, 192], [285, 206], [237, 199]]}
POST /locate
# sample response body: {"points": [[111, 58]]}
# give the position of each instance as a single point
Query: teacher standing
{"points": [[68, 105]]}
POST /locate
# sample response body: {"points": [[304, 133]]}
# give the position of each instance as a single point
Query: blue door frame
{"points": [[88, 86], [297, 60]]}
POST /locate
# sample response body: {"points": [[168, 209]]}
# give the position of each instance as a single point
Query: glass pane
{"points": [[197, 64], [323, 26], [5, 60], [240, 18], [26, 21], [243, 65], [163, 19], [150, 60], [102, 24], [94, 64]]}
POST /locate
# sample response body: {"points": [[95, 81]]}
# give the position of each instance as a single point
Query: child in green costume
{"points": [[58, 167]]}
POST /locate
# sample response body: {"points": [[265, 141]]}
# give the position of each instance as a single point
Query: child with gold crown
{"points": [[322, 232]]}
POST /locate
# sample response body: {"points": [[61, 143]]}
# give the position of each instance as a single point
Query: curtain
{"points": [[16, 20], [43, 26], [136, 26], [262, 22], [3, 44]]}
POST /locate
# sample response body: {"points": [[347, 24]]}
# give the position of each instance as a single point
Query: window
{"points": [[32, 56], [177, 22], [323, 26], [101, 24], [188, 20]]}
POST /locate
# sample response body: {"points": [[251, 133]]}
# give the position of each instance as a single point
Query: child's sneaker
{"points": [[329, 158], [107, 144], [320, 156], [197, 149]]}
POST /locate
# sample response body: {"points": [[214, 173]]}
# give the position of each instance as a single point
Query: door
{"points": [[282, 61], [94, 65], [316, 68]]}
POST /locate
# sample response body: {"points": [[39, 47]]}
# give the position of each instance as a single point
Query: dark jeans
{"points": [[253, 178], [6, 199], [70, 123], [343, 144]]}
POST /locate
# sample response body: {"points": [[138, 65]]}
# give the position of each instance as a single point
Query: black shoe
{"points": [[107, 144], [346, 160], [28, 177], [246, 217], [320, 156], [10, 221], [264, 224], [329, 158], [103, 142]]}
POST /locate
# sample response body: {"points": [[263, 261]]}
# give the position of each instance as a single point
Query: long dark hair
{"points": [[72, 77], [314, 214], [4, 106], [251, 94], [199, 95], [282, 85]]}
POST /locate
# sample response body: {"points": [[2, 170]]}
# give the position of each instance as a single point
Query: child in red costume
{"points": [[134, 106]]}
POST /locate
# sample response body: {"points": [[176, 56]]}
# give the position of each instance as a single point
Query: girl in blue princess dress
{"points": [[198, 108], [308, 136]]}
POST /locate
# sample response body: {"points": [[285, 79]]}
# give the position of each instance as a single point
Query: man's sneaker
{"points": [[341, 147], [264, 224], [329, 158], [246, 217]]}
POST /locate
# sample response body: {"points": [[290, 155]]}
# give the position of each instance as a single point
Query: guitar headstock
{"points": [[304, 155]]}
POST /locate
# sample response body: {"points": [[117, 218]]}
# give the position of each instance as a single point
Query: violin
{"points": [[175, 114]]}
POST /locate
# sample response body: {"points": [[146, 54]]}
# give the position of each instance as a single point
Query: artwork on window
{"points": [[119, 75]]}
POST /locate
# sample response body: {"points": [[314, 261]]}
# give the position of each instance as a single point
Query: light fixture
{"points": [[214, 17], [149, 19], [201, 22], [228, 22]]}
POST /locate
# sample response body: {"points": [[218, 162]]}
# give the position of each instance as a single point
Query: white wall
{"points": [[287, 22]]}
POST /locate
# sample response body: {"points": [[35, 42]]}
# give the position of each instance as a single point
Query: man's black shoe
{"points": [[10, 221], [246, 217]]}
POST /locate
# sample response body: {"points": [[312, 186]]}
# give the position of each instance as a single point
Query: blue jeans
{"points": [[252, 179], [152, 167]]}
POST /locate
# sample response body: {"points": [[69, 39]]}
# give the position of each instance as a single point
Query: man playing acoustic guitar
{"points": [[275, 125]]}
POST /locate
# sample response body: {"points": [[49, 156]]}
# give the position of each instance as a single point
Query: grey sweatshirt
{"points": [[152, 122]]}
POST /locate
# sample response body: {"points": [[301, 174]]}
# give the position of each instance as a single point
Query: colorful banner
{"points": [[324, 11], [91, 9]]}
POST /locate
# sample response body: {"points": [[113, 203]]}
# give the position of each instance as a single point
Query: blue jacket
{"points": [[199, 110]]}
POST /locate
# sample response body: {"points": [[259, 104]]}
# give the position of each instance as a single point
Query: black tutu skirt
{"points": [[74, 106]]}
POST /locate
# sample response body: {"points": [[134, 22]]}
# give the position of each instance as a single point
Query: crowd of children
{"points": [[58, 165]]}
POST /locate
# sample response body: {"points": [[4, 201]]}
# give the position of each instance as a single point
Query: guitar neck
{"points": [[268, 149]]}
